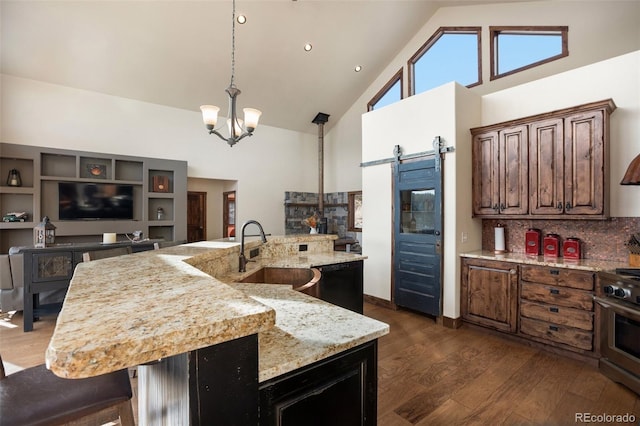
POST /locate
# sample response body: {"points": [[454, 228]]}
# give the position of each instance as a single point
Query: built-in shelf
{"points": [[41, 169]]}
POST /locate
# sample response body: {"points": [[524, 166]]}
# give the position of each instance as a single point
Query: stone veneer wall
{"points": [[601, 239], [301, 205]]}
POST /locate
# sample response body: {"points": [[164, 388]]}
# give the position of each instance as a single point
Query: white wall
{"points": [[450, 111], [412, 124], [617, 78], [597, 30], [266, 165]]}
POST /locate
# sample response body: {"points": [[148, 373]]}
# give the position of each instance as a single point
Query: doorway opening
{"points": [[196, 216], [229, 214]]}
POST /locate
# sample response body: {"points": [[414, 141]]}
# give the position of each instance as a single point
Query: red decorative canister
{"points": [[551, 244], [532, 241], [571, 248]]}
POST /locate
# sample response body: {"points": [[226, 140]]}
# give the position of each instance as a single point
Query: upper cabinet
{"points": [[500, 172], [552, 165]]}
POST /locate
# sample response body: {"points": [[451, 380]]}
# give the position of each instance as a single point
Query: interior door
{"points": [[418, 236], [196, 216]]}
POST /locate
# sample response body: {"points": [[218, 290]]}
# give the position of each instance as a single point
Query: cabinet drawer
{"points": [[561, 277], [557, 295], [557, 333], [561, 315]]}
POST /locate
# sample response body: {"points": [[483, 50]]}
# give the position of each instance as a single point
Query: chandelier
{"points": [[238, 129]]}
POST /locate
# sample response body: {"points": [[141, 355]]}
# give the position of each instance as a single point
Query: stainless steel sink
{"points": [[302, 279]]}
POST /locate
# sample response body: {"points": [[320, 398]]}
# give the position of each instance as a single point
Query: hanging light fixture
{"points": [[239, 129], [632, 176]]}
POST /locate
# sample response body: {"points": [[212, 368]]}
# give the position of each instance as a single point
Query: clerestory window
{"points": [[451, 54], [514, 49], [390, 93]]}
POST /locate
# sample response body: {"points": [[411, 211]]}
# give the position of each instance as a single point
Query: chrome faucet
{"points": [[242, 261]]}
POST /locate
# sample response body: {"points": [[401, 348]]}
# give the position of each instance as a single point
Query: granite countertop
{"points": [[307, 329], [559, 262], [128, 310]]}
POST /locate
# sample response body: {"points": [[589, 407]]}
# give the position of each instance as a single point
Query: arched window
{"points": [[451, 54], [390, 93], [515, 49]]}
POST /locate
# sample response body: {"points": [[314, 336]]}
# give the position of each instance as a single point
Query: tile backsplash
{"points": [[600, 239]]}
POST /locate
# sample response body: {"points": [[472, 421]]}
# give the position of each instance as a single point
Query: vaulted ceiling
{"points": [[178, 53]]}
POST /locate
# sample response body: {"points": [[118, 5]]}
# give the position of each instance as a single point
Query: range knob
{"points": [[609, 289], [622, 293]]}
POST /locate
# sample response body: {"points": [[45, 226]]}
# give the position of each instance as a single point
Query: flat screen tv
{"points": [[90, 201]]}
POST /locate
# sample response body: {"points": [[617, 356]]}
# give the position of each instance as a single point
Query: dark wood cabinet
{"points": [[490, 293], [551, 306], [556, 307], [341, 390], [585, 171], [546, 166], [500, 171]]}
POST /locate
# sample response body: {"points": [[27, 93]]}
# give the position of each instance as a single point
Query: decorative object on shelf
{"points": [[108, 238], [312, 222], [251, 116], [44, 233], [15, 217], [161, 183], [632, 176], [14, 178], [160, 213], [97, 170], [499, 242]]}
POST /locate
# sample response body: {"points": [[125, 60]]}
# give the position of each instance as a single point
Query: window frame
{"points": [[495, 31], [433, 40], [352, 211], [396, 77]]}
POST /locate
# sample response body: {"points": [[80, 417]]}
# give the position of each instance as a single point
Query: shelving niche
{"points": [[42, 169]]}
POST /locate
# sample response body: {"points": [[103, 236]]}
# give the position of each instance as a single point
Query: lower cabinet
{"points": [[556, 307], [341, 390], [341, 284], [490, 293], [548, 305]]}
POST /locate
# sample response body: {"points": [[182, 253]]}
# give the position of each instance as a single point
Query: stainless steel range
{"points": [[619, 297]]}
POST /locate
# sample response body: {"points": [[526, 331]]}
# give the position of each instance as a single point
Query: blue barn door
{"points": [[418, 236]]}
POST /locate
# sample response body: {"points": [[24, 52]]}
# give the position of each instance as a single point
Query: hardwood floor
{"points": [[432, 375]]}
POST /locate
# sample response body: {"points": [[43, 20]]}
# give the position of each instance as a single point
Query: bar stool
{"points": [[36, 396]]}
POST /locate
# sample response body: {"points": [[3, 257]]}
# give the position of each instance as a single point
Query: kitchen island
{"points": [[170, 310]]}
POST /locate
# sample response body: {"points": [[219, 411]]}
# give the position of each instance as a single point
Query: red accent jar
{"points": [[532, 242], [551, 244], [571, 248]]}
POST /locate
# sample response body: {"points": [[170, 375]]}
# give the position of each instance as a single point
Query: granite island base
{"points": [[201, 340]]}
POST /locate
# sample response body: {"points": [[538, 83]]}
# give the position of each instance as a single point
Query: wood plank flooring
{"points": [[431, 375]]}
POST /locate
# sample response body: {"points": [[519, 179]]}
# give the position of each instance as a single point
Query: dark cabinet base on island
{"points": [[219, 385], [340, 390]]}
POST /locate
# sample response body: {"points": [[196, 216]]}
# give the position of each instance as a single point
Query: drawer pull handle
{"points": [[554, 291], [554, 310], [554, 272], [553, 328]]}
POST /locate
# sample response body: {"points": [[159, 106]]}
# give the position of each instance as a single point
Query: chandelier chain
{"points": [[233, 42]]}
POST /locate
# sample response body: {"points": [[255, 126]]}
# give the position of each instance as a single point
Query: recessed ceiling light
{"points": [[241, 19], [308, 47], [358, 68]]}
